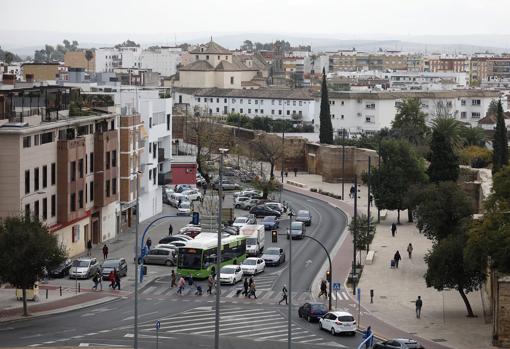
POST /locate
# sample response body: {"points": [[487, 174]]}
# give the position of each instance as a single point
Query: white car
{"points": [[231, 274], [242, 221], [193, 194], [184, 236], [238, 200], [253, 265], [338, 322], [170, 247], [184, 209]]}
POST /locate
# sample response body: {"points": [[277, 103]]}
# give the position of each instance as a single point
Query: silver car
{"points": [[161, 256], [83, 268]]}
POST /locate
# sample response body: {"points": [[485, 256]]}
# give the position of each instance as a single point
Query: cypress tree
{"points": [[326, 129], [500, 142], [444, 163]]}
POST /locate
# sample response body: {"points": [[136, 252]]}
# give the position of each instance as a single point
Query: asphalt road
{"points": [[188, 319]]}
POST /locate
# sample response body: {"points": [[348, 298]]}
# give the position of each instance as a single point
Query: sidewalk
{"points": [[395, 290]]}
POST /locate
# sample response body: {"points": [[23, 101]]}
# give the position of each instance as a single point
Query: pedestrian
{"points": [[284, 295], [295, 171], [105, 251], [198, 292], [397, 258], [393, 229], [172, 279], [210, 284], [180, 285], [368, 334], [253, 289], [179, 203], [352, 191], [149, 243], [246, 285], [111, 278], [419, 304], [100, 279], [222, 196], [170, 230], [410, 250], [370, 199], [95, 280], [286, 174], [117, 279], [190, 281], [324, 289], [89, 248]]}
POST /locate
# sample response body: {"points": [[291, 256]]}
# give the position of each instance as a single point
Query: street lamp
{"points": [[289, 323], [223, 151]]}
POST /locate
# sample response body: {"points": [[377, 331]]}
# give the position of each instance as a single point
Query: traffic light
{"points": [[328, 276], [274, 236]]}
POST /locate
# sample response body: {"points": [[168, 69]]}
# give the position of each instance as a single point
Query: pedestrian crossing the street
{"points": [[252, 324]]}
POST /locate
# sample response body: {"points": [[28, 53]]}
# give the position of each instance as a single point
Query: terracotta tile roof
{"points": [[198, 66], [211, 48], [262, 93], [491, 119]]}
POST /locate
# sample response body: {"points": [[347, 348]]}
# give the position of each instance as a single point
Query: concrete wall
{"points": [[501, 327]]}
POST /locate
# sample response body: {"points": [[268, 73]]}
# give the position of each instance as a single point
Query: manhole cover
{"points": [[439, 340]]}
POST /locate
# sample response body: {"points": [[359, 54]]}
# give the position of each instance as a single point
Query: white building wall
{"points": [[163, 61]]}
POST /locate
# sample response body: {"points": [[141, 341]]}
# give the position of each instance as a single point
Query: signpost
{"points": [[158, 325], [336, 287], [358, 296]]}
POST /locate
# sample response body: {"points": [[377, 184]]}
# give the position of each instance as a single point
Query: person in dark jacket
{"points": [[419, 304], [105, 251], [89, 248], [397, 258], [170, 229], [149, 243], [245, 287], [393, 229], [117, 280], [284, 295]]}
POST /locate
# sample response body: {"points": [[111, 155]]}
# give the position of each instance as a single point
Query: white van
{"points": [[255, 237], [175, 197]]}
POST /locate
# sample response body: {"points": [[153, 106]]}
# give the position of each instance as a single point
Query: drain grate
{"points": [[438, 340]]}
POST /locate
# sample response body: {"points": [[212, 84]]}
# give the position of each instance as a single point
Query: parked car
{"points": [[338, 322], [193, 194], [231, 230], [185, 209], [312, 311], [262, 211], [226, 185], [248, 193], [118, 264], [304, 216], [179, 188], [83, 268], [168, 247], [231, 274], [185, 237], [242, 221], [175, 198], [190, 230], [248, 204], [253, 265], [271, 222], [399, 343], [297, 230], [275, 206], [62, 270], [273, 256], [171, 239], [238, 200], [161, 256]]}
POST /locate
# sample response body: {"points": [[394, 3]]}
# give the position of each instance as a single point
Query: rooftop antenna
{"points": [[175, 40]]}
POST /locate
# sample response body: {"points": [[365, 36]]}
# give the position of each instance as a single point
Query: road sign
{"points": [[158, 325], [337, 286], [358, 294]]}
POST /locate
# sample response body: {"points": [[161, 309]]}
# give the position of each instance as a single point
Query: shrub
{"points": [[313, 190], [475, 156]]}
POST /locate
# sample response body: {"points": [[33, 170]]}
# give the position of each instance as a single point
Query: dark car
{"points": [[62, 270], [312, 311], [263, 211], [270, 222], [114, 263], [170, 239], [273, 256], [304, 216], [399, 343]]}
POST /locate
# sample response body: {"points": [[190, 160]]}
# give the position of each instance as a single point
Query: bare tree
{"points": [[268, 148]]}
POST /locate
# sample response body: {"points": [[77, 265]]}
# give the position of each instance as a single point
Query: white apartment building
{"points": [[291, 104], [368, 112], [163, 60]]}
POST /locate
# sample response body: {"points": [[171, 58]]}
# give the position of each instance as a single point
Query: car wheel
{"points": [[168, 263], [333, 331], [237, 206], [320, 325], [309, 318], [299, 314]]}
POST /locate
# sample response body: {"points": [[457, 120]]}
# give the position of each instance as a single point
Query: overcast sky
{"points": [[182, 18]]}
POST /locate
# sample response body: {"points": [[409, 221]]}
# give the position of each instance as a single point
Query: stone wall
{"points": [[501, 311]]}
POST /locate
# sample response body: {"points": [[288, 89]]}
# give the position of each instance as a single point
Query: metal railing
{"points": [[368, 340]]}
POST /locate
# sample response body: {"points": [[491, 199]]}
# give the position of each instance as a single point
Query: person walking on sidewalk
{"points": [[284, 295], [180, 285], [246, 285], [89, 248], [410, 250], [190, 281], [172, 279], [170, 230], [393, 229], [419, 304], [95, 280], [210, 284], [105, 251], [397, 258], [253, 289], [295, 171], [352, 192], [117, 279], [324, 289], [111, 278], [149, 243]]}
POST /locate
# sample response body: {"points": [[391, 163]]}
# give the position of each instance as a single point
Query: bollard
{"points": [[60, 291], [371, 296], [79, 286], [46, 293]]}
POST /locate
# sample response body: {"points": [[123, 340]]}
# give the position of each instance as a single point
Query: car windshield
{"points": [[296, 225], [241, 220], [110, 264], [319, 307], [303, 214], [273, 252], [251, 241], [250, 262], [80, 264], [227, 271], [184, 204]]}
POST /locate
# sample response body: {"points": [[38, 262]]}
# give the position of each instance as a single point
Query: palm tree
{"points": [[472, 136], [450, 128], [88, 56]]}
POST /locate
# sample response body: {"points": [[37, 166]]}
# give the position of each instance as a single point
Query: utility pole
{"points": [[289, 315], [136, 260], [355, 233], [283, 158], [343, 162], [368, 198]]}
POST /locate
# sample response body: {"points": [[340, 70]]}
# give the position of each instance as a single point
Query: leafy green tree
{"points": [[89, 55], [444, 162], [409, 122], [446, 268], [493, 108], [442, 210], [364, 232], [326, 129], [26, 249], [40, 56], [500, 142], [400, 169]]}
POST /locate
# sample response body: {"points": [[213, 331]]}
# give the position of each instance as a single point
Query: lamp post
{"points": [[289, 322], [223, 151], [343, 162], [355, 233], [283, 158]]}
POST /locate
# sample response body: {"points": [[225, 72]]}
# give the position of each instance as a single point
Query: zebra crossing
{"points": [[253, 324]]}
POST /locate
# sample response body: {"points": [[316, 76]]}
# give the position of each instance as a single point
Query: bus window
{"points": [[189, 259]]}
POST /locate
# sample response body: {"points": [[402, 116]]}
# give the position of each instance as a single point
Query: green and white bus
{"points": [[198, 257]]}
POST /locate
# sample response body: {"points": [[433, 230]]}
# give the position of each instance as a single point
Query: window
{"points": [[370, 106], [198, 99], [27, 141], [475, 115], [80, 168], [154, 150], [218, 57], [225, 100], [241, 101], [53, 205], [44, 209], [210, 99], [256, 101], [241, 110], [36, 209], [233, 110], [114, 186], [107, 188], [261, 102], [249, 101], [53, 173], [150, 122], [249, 111], [233, 101], [217, 100], [272, 111], [150, 148], [91, 191], [36, 139], [72, 170], [114, 158], [207, 57], [108, 160], [261, 111], [476, 102], [154, 175], [36, 178], [168, 122], [27, 210], [46, 137], [462, 102], [294, 103], [150, 175], [91, 162], [231, 80], [45, 176], [256, 111], [72, 202], [279, 112], [112, 125], [368, 119], [342, 116], [80, 199], [300, 103], [85, 191], [463, 114], [288, 112], [217, 110]]}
